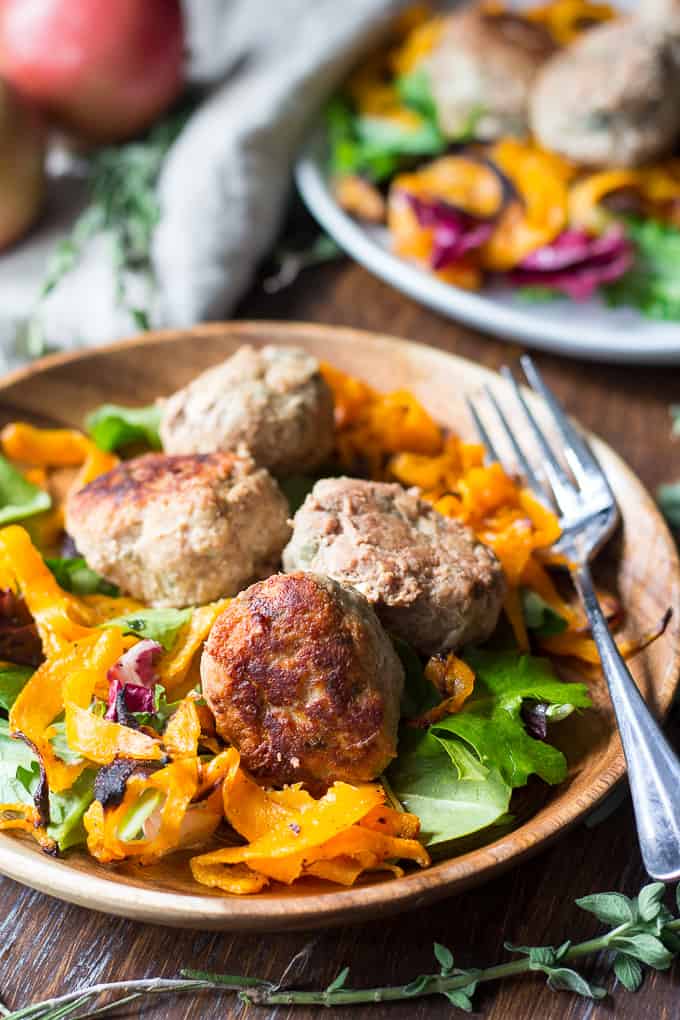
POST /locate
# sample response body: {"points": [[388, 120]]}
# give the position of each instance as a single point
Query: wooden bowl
{"points": [[641, 563]]}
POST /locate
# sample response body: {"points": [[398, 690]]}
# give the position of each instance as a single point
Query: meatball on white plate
{"points": [[181, 531], [482, 70], [612, 97], [273, 400], [432, 582], [303, 680]]}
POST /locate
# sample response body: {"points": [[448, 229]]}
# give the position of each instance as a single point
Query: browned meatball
{"points": [[274, 401], [481, 72], [302, 679], [612, 96], [181, 531], [431, 581]]}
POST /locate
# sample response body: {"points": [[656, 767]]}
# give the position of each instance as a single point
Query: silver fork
{"points": [[588, 515]]}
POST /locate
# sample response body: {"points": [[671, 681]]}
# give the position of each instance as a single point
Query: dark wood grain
{"points": [[47, 947]]}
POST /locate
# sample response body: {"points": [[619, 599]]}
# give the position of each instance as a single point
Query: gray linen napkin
{"points": [[268, 66]]}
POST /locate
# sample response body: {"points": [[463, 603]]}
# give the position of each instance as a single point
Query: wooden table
{"points": [[47, 947]]}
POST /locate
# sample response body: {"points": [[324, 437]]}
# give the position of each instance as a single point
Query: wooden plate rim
{"points": [[177, 909]]}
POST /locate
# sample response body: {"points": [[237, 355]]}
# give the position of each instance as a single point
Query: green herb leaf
{"points": [[338, 982], [19, 498], [444, 958], [646, 948], [491, 723], [649, 901], [67, 809], [653, 283], [17, 769], [13, 679], [74, 575], [539, 617], [113, 427], [458, 998], [610, 908], [449, 808], [162, 625], [628, 971], [564, 979]]}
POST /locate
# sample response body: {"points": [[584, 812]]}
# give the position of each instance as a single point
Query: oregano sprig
{"points": [[642, 932]]}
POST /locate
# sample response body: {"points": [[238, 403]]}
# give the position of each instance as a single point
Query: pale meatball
{"points": [[430, 579], [612, 97], [481, 72], [303, 680], [181, 531], [273, 400]]}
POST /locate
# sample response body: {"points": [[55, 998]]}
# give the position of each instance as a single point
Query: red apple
{"points": [[104, 69], [22, 165]]}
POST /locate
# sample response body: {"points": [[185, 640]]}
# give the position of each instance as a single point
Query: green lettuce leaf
{"points": [[490, 722], [19, 498], [113, 427], [60, 745], [653, 283], [13, 679], [67, 809], [17, 764], [74, 575], [539, 617], [162, 625], [449, 807]]}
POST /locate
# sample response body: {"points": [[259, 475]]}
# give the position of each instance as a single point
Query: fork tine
{"points": [[562, 487], [579, 457], [530, 475], [487, 442]]}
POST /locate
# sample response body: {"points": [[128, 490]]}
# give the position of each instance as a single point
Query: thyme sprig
{"points": [[643, 933]]}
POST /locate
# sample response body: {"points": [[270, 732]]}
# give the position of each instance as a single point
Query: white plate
{"points": [[583, 330]]}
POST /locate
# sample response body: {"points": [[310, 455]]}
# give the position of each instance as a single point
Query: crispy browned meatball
{"points": [[431, 581], [181, 531], [274, 401], [481, 72], [612, 97], [303, 680]]}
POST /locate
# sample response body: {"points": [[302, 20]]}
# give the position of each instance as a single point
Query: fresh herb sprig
{"points": [[643, 933], [123, 204]]}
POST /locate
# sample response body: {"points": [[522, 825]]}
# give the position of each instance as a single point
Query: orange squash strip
{"points": [[54, 610], [454, 680], [101, 741], [183, 731], [42, 699], [97, 462], [515, 614], [177, 782], [44, 447], [174, 665]]}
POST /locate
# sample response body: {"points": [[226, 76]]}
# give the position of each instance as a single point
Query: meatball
{"points": [[431, 581], [274, 401], [181, 531], [303, 680], [611, 97], [481, 72]]}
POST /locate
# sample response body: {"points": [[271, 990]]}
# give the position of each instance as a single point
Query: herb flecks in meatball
{"points": [[181, 531], [431, 581], [302, 679], [274, 401]]}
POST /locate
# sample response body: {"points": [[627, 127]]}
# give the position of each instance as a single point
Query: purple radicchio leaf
{"points": [[454, 231], [576, 263], [132, 680]]}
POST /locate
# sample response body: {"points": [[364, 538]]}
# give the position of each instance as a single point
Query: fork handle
{"points": [[653, 767]]}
